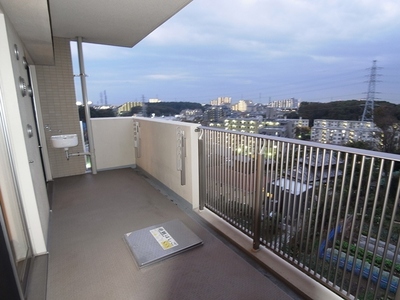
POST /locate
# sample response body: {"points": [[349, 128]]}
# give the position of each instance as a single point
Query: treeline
{"points": [[166, 108], [385, 113]]}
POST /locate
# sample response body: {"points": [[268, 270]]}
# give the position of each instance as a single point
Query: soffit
{"points": [[31, 21], [118, 23]]}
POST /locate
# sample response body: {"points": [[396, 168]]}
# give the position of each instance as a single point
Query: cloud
{"points": [[166, 77], [277, 22], [250, 47]]}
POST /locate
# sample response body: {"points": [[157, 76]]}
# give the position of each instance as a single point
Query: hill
{"points": [[385, 113]]}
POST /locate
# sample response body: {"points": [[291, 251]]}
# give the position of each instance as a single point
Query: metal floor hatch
{"points": [[159, 242]]}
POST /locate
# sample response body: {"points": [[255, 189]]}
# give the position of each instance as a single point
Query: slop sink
{"points": [[64, 140]]}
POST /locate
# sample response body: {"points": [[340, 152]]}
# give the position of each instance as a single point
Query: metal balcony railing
{"points": [[330, 211]]}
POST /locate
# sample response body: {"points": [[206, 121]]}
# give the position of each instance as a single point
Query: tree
{"points": [[386, 118], [303, 133], [96, 113]]}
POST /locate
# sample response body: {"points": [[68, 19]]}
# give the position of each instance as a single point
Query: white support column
{"points": [[86, 106]]}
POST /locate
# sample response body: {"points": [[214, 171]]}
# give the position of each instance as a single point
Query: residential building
{"points": [[292, 125], [127, 106], [274, 128], [249, 125], [341, 132], [286, 104], [216, 113], [221, 101], [244, 106]]}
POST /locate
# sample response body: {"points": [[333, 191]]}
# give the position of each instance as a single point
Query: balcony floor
{"points": [[90, 260]]}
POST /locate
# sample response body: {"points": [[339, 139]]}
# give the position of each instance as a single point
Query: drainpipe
{"points": [[82, 75]]}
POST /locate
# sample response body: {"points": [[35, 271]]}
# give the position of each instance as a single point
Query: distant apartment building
{"points": [[292, 125], [191, 112], [274, 128], [244, 106], [127, 106], [154, 100], [286, 104], [249, 125], [270, 113], [341, 132], [216, 113], [221, 101], [282, 128], [191, 115]]}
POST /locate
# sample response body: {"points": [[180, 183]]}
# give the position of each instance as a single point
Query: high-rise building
{"points": [[221, 101]]}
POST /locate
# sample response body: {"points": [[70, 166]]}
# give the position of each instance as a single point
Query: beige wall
{"points": [[113, 142], [158, 148], [56, 92]]}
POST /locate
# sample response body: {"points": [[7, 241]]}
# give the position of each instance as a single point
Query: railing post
{"points": [[201, 168], [259, 198]]}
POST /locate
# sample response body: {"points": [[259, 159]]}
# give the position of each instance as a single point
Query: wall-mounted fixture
{"points": [[29, 130], [25, 63], [136, 138], [22, 86], [16, 51], [66, 141]]}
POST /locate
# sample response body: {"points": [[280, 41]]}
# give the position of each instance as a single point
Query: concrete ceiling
{"points": [[120, 22], [31, 21]]}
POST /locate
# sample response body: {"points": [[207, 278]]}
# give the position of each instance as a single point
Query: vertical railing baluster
{"points": [[258, 199], [202, 175]]}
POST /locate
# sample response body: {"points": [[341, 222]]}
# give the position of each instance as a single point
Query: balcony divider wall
{"points": [[159, 152]]}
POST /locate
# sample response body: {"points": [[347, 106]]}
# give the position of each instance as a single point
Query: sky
{"points": [[259, 50]]}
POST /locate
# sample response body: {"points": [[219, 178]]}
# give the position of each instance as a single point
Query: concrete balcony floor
{"points": [[89, 258]]}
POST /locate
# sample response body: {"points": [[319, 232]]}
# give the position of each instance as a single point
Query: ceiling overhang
{"points": [[119, 23], [31, 21]]}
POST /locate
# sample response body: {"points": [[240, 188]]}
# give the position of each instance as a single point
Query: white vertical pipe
{"points": [[82, 75]]}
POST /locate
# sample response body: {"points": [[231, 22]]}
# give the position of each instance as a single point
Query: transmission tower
{"points": [[368, 114], [105, 98], [144, 108]]}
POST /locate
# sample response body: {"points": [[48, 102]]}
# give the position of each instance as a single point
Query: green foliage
{"points": [[292, 115], [338, 110], [136, 110], [360, 145], [386, 264], [385, 113], [170, 108], [303, 133], [96, 113]]}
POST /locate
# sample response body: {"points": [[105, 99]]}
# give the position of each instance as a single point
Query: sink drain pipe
{"points": [[82, 75], [68, 155]]}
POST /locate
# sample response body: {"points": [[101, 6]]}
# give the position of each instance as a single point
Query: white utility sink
{"points": [[64, 140]]}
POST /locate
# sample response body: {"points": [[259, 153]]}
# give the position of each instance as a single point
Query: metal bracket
{"points": [[136, 138], [181, 154]]}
